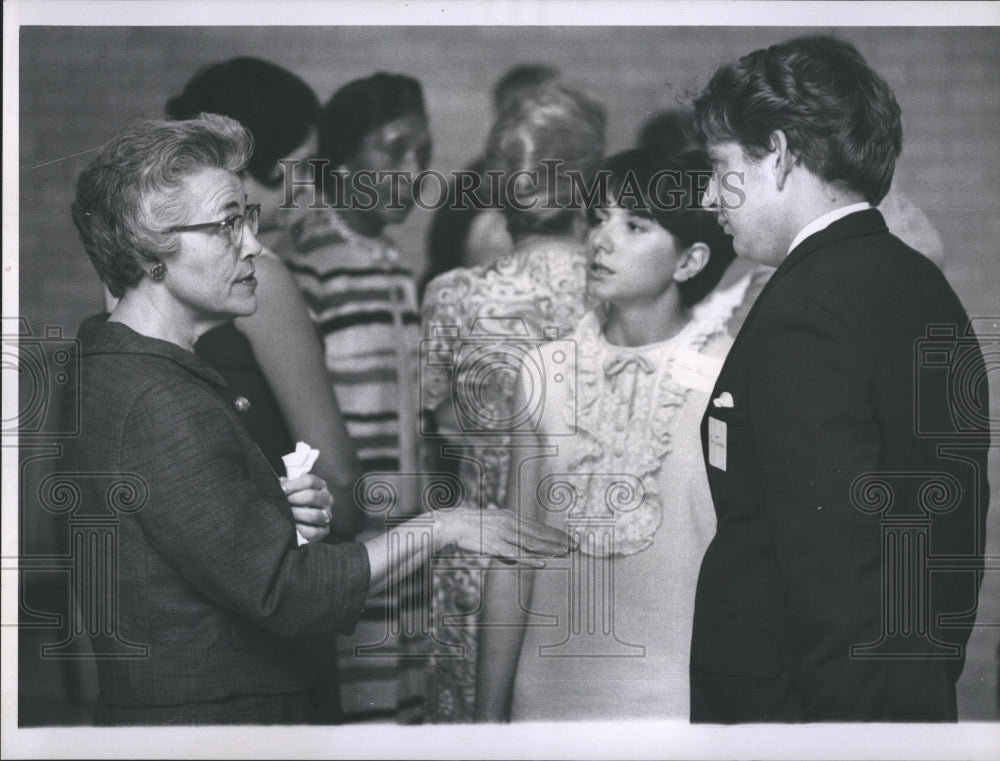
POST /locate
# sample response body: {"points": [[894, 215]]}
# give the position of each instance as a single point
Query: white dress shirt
{"points": [[824, 221]]}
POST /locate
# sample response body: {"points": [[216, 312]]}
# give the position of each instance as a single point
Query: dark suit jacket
{"points": [[209, 577], [830, 382]]}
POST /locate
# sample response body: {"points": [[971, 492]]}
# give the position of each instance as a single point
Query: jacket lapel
{"points": [[860, 223]]}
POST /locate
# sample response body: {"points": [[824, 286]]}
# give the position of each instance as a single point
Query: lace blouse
{"points": [[623, 402]]}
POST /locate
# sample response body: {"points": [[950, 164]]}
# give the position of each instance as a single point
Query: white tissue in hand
{"points": [[298, 463]]}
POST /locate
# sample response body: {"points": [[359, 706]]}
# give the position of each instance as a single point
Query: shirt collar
{"points": [[824, 221]]}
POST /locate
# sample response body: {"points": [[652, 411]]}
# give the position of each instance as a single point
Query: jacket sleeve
{"points": [[209, 519]]}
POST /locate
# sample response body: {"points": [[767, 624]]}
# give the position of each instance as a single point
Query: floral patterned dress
{"points": [[479, 323]]}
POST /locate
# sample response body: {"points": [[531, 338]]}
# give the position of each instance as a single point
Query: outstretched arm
{"points": [[400, 550], [512, 535], [232, 538]]}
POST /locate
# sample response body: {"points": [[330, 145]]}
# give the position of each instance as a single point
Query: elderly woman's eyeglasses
{"points": [[235, 224]]}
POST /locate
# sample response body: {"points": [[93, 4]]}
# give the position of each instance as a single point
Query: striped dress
{"points": [[362, 300]]}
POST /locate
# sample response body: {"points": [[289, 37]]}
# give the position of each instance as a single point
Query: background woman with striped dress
{"points": [[362, 299]]}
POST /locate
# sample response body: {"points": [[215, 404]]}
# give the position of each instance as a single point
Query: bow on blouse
{"points": [[615, 365]]}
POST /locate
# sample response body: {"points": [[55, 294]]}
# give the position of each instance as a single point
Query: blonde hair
{"points": [[544, 138]]}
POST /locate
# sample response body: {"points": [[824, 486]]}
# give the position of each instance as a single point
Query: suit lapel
{"points": [[867, 222], [860, 223]]}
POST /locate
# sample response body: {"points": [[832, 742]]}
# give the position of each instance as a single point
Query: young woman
{"points": [[609, 630]]}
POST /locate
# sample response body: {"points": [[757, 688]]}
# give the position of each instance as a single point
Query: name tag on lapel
{"points": [[716, 443]]}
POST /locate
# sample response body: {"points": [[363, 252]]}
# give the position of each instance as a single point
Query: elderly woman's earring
{"points": [[157, 272]]}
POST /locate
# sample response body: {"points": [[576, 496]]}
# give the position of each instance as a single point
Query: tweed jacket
{"points": [[846, 458], [209, 582]]}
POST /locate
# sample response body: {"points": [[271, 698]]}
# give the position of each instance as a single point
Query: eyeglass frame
{"points": [[251, 210]]}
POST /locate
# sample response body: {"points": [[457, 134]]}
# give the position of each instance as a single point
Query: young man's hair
{"points": [[840, 117]]}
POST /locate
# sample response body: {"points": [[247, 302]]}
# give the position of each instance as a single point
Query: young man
{"points": [[836, 495]]}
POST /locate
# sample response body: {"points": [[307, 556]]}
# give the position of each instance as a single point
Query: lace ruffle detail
{"points": [[626, 404], [731, 305]]}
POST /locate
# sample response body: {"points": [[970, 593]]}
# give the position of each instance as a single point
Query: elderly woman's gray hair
{"points": [[551, 134], [128, 194]]}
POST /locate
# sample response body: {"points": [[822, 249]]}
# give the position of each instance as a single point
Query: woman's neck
{"points": [[639, 323], [148, 317], [736, 270]]}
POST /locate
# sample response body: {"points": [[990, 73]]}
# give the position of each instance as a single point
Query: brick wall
{"points": [[79, 85]]}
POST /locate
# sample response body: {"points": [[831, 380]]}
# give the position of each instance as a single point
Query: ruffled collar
{"points": [[625, 404]]}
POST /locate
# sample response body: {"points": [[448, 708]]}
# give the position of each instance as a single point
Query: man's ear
{"points": [[782, 159], [692, 261]]}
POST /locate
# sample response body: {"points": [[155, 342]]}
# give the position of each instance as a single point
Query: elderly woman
{"points": [[528, 295], [210, 578], [273, 357]]}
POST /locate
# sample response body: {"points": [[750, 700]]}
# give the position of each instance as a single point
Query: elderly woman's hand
{"points": [[501, 534], [312, 505]]}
